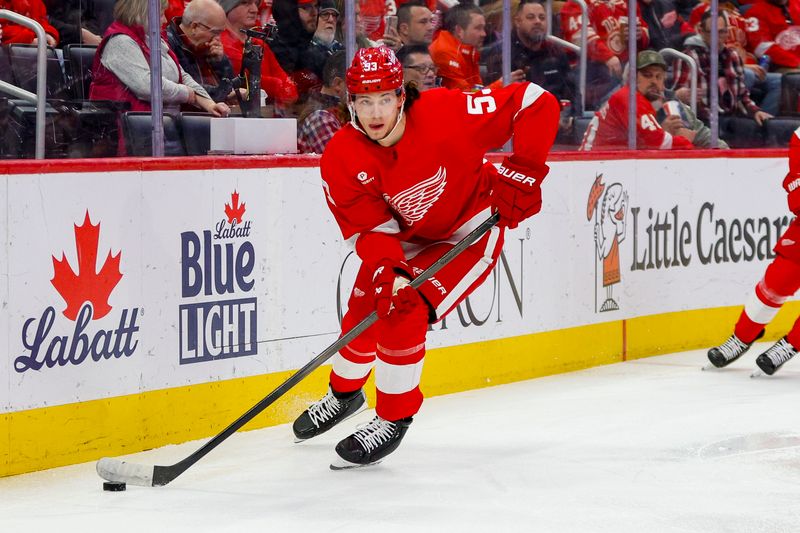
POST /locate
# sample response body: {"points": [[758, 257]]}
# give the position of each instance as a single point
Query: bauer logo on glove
{"points": [[517, 190]]}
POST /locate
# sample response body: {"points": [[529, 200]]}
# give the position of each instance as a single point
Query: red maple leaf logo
{"points": [[87, 285], [234, 211]]}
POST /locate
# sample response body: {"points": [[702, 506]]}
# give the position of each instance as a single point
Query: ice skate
{"points": [[326, 413], [370, 443], [776, 355], [728, 352]]}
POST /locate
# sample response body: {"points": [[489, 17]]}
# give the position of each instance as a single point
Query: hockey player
{"points": [[405, 180], [781, 280]]}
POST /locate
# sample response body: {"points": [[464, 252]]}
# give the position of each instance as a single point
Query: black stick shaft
{"points": [[164, 474]]}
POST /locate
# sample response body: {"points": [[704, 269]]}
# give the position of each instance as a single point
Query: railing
{"points": [[40, 98], [671, 52], [581, 50]]}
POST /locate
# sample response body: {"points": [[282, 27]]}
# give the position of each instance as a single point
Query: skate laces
{"points": [[780, 352], [732, 348], [325, 409], [374, 433]]}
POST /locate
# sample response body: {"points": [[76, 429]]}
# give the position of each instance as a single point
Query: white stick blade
{"points": [[122, 472]]}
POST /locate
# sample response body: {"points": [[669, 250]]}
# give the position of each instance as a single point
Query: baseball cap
{"points": [[650, 57], [327, 5]]}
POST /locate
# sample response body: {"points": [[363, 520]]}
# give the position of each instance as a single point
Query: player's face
{"points": [[475, 32], [377, 113], [650, 82], [420, 27], [531, 22]]}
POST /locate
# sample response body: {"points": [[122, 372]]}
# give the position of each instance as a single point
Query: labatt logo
{"points": [[608, 205], [86, 293], [216, 266]]}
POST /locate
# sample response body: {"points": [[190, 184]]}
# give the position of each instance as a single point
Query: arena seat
{"points": [[137, 130], [23, 68], [196, 131], [79, 59]]}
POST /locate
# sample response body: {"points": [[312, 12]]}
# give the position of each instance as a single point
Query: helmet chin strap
{"points": [[356, 125]]}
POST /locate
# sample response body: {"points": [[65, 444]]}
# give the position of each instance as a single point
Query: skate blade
{"points": [[709, 367], [341, 464], [360, 409], [757, 374]]}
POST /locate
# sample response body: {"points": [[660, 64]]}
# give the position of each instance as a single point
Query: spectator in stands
{"points": [[702, 133], [609, 127], [764, 86], [75, 20], [33, 9], [543, 62], [415, 23], [243, 14], [666, 28], [607, 42], [372, 13], [323, 114], [122, 71], [455, 51], [324, 43], [417, 66], [195, 39], [734, 98], [297, 22], [770, 32]]}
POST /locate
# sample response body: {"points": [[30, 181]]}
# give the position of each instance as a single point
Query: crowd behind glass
{"points": [[287, 58]]}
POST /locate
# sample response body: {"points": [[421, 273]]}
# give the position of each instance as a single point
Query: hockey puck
{"points": [[111, 486]]}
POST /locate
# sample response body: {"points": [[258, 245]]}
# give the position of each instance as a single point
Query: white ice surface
{"points": [[646, 446]]}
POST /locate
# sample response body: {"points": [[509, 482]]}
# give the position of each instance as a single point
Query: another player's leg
{"points": [[351, 368], [779, 353], [401, 352], [781, 280]]}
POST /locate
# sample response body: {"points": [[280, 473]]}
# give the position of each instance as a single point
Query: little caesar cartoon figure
{"points": [[405, 180]]}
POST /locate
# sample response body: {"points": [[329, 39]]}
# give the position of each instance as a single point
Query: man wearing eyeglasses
{"points": [[195, 39], [418, 66], [324, 43]]}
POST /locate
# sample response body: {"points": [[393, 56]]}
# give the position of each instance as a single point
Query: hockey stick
{"points": [[117, 471]]}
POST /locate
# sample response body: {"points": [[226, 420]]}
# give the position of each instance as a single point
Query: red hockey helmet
{"points": [[374, 70]]}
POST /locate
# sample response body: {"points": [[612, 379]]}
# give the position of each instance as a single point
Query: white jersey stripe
{"points": [[349, 370], [472, 276], [758, 311], [532, 93], [401, 353], [397, 379]]}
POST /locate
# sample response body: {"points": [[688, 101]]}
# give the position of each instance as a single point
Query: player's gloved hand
{"points": [[792, 185], [517, 191], [391, 289]]}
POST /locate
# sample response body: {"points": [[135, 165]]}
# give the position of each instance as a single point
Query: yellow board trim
{"points": [[74, 433]]}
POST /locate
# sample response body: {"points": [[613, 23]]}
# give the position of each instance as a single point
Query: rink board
{"points": [[202, 315]]}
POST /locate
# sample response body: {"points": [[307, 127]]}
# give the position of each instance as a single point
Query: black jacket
{"points": [[195, 65], [292, 42], [547, 67]]}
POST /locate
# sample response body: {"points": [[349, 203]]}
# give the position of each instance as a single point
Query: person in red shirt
{"points": [[33, 9], [781, 280], [771, 31], [609, 127], [606, 42], [402, 207], [455, 50], [244, 14]]}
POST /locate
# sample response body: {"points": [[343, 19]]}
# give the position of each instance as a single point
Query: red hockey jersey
{"points": [[429, 186], [771, 30], [608, 130], [604, 35]]}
